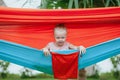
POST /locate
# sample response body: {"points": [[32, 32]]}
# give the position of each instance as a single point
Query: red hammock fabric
{"points": [[65, 66], [34, 27]]}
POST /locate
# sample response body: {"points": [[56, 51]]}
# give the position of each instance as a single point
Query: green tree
{"points": [[55, 4], [26, 73], [116, 62], [4, 66]]}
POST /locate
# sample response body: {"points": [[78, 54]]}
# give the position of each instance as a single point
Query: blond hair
{"points": [[60, 28]]}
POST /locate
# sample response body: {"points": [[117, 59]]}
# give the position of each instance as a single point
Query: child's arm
{"points": [[46, 50], [82, 49]]}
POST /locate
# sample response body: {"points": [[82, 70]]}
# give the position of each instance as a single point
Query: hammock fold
{"points": [[87, 27], [35, 59]]}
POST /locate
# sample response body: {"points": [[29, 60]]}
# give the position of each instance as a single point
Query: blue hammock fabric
{"points": [[35, 59]]}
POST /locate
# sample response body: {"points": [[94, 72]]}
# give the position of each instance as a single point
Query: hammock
{"points": [[34, 27], [24, 31], [35, 59]]}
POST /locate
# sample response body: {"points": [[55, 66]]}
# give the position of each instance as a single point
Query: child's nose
{"points": [[61, 38]]}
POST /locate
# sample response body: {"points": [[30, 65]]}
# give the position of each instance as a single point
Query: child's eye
{"points": [[62, 37], [57, 37]]}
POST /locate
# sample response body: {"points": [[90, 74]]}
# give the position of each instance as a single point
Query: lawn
{"points": [[29, 79], [48, 79], [26, 79]]}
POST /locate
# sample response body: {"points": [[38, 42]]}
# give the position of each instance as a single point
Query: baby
{"points": [[60, 35]]}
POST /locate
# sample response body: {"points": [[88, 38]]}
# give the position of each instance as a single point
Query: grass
{"points": [[29, 79], [50, 79]]}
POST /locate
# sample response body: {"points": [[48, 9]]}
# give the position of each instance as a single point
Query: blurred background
{"points": [[106, 70]]}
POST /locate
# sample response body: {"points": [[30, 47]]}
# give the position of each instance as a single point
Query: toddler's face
{"points": [[60, 38]]}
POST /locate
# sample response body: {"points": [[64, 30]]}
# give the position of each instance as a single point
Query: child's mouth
{"points": [[60, 42]]}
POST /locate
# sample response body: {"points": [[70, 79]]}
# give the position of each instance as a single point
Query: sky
{"points": [[21, 3], [104, 66]]}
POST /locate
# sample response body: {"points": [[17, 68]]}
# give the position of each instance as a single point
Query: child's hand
{"points": [[82, 50], [46, 51]]}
